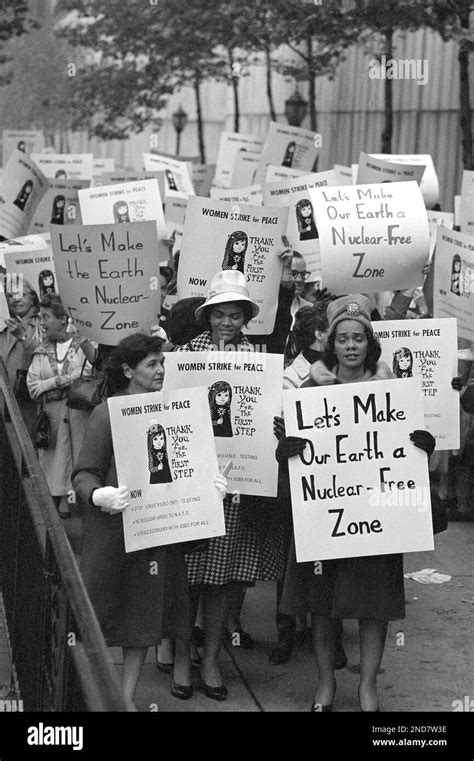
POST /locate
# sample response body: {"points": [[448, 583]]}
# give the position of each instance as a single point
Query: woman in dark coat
{"points": [[135, 604], [368, 588]]}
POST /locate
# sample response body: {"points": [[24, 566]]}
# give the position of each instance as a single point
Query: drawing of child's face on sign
{"points": [[239, 246], [306, 210], [158, 441], [222, 398]]}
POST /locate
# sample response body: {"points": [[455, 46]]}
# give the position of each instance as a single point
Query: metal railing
{"points": [[58, 651]]}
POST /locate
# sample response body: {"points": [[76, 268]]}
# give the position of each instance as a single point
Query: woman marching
{"points": [[368, 588]]}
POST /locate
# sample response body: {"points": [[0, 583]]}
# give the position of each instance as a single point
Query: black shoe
{"points": [[281, 653], [215, 693], [182, 691], [166, 668]]}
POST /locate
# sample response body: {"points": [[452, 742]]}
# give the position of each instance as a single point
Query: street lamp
{"points": [[295, 109], [180, 118]]}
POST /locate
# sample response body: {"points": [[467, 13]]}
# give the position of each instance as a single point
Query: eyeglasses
{"points": [[296, 275]]}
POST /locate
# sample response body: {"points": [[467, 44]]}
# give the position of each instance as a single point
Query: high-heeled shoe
{"points": [[317, 707], [375, 710], [182, 691], [214, 693]]}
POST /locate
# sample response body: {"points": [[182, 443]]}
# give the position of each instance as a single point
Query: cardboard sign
{"points": [[36, 266], [245, 169], [65, 166], [26, 141], [99, 166], [252, 194], [177, 173], [429, 185], [25, 243], [453, 291], [118, 178], [277, 173], [59, 206], [175, 212], [302, 232], [202, 177], [372, 170], [373, 237], [436, 218], [360, 487], [165, 454], [466, 211], [23, 187], [119, 204], [107, 277], [244, 395], [427, 350], [231, 144], [288, 146], [219, 236], [343, 174]]}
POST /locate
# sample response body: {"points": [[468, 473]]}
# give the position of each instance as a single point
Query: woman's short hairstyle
{"points": [[52, 301], [374, 350], [181, 325], [307, 321], [130, 351]]}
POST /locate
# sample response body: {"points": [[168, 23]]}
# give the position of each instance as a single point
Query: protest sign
{"points": [[429, 185], [302, 232], [436, 218], [252, 194], [466, 211], [59, 205], [232, 143], [245, 390], [4, 311], [453, 290], [35, 266], [373, 237], [426, 350], [23, 187], [360, 487], [372, 170], [175, 212], [202, 177], [99, 166], [220, 236], [457, 211], [165, 453], [288, 146], [245, 169], [119, 177], [177, 173], [108, 279], [128, 202], [65, 166], [27, 141], [277, 173], [343, 174]]}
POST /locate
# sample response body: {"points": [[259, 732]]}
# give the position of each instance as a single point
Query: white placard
{"points": [[59, 206], [244, 395], [429, 185], [218, 236], [202, 177], [453, 290], [427, 350], [252, 194], [26, 141], [35, 266], [164, 452], [360, 487], [232, 143], [466, 211], [436, 218], [23, 187], [343, 174], [373, 237], [372, 170], [177, 173], [288, 146], [245, 169], [65, 166], [277, 173]]}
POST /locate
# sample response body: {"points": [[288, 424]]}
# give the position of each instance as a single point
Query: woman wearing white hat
{"points": [[244, 555]]}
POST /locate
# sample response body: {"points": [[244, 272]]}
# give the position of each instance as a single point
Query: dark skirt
{"points": [[367, 587], [138, 597]]}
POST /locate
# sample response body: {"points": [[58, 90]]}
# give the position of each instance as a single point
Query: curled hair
{"points": [[218, 388], [374, 350], [130, 351], [52, 301], [230, 255], [182, 325], [307, 321]]}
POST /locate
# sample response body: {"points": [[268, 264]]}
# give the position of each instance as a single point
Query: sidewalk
{"points": [[428, 661]]}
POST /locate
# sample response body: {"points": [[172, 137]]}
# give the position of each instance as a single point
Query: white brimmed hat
{"points": [[227, 286]]}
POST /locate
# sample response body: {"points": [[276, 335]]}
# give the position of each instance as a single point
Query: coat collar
{"points": [[320, 375]]}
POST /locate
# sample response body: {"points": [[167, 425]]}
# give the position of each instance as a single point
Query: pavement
{"points": [[427, 665]]}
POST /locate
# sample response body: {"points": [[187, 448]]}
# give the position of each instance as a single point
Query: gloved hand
{"points": [[457, 384], [289, 446], [278, 427], [220, 482], [423, 440], [111, 499]]}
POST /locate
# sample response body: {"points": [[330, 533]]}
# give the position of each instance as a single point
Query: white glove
{"points": [[220, 482], [111, 499]]}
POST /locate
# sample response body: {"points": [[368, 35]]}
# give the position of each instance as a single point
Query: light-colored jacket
{"points": [[296, 373]]}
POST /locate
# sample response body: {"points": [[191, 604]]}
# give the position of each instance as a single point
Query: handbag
{"points": [[86, 392], [20, 387], [43, 429]]}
